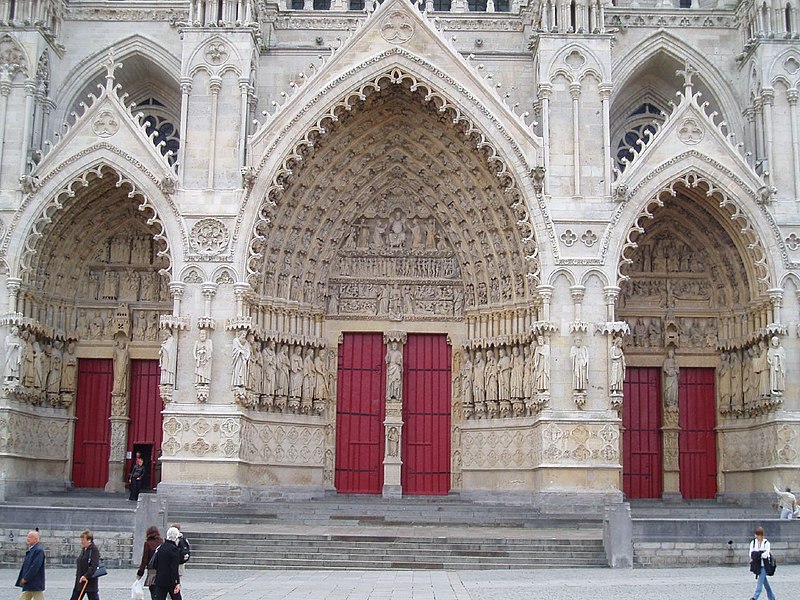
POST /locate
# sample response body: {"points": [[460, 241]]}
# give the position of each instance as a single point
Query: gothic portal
{"points": [[525, 251]]}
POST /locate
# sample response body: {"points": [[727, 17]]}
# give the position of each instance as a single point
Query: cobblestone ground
{"points": [[703, 583]]}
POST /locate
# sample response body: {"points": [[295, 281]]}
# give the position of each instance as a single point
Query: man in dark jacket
{"points": [[165, 561], [31, 575]]}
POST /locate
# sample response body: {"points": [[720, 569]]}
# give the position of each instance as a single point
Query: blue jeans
{"points": [[762, 582]]}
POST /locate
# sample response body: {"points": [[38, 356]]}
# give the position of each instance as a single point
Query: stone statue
{"points": [[168, 358], [69, 368], [541, 365], [762, 370], [254, 368], [13, 356], [671, 370], [382, 302], [202, 352], [269, 371], [724, 380], [491, 377], [282, 372], [517, 374], [617, 375], [579, 356], [394, 372], [776, 359], [479, 381], [309, 379], [296, 373], [110, 281], [466, 380], [56, 364], [736, 378], [393, 442], [240, 359], [504, 375], [121, 356], [321, 376], [28, 357], [397, 229], [528, 377]]}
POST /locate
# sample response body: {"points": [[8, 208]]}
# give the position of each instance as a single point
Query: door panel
{"points": [[697, 445], [360, 411], [642, 468], [426, 415], [144, 430], [92, 427]]}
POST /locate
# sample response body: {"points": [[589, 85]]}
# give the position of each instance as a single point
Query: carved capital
{"points": [[791, 96], [215, 84], [186, 85], [174, 322], [209, 290], [768, 96], [605, 90], [577, 292], [611, 293], [545, 292], [176, 288], [575, 90], [545, 91]]}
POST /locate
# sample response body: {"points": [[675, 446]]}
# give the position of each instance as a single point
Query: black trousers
{"points": [[87, 595], [161, 593]]}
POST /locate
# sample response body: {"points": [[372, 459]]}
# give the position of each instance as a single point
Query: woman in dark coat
{"points": [[152, 542], [87, 565], [168, 581], [136, 477]]}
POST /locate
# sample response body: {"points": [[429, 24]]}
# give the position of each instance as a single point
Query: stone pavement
{"points": [[702, 583]]}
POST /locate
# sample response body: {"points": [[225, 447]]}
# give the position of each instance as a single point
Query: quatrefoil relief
{"points": [[569, 237]]}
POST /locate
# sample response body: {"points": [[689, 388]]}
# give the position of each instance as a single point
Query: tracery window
{"points": [[441, 5], [644, 118], [158, 119]]}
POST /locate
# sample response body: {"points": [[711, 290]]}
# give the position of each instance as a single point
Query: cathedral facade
{"points": [[527, 250]]}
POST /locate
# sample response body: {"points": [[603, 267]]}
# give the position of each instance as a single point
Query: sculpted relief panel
{"points": [[33, 436]]}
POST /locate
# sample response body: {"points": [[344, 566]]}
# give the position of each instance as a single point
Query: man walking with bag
{"points": [[31, 575], [165, 561]]}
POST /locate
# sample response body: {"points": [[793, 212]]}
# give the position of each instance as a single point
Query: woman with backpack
{"points": [[759, 555]]}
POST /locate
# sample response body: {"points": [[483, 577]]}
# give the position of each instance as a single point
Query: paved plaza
{"points": [[702, 583]]}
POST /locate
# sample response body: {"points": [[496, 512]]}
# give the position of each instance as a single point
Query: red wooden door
{"points": [[361, 387], [144, 430], [92, 428], [426, 415], [642, 470], [697, 442]]}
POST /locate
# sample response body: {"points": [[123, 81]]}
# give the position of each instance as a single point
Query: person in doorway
{"points": [[166, 561], [136, 477], [759, 552], [787, 502], [31, 575], [152, 542], [88, 560]]}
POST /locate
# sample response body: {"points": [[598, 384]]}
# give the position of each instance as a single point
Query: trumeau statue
{"points": [[202, 352], [671, 371], [121, 356], [394, 372]]}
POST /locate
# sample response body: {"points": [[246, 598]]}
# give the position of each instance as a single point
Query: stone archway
{"points": [[92, 286], [394, 222], [694, 292]]}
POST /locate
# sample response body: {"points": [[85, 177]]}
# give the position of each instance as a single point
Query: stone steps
{"points": [[374, 551]]}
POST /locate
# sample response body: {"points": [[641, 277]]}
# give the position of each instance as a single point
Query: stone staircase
{"points": [[345, 532]]}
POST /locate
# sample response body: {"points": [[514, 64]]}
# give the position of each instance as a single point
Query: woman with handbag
{"points": [[88, 561], [759, 554], [152, 542]]}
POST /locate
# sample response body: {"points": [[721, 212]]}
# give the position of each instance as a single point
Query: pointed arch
{"points": [[667, 44], [749, 224], [58, 189], [82, 77]]}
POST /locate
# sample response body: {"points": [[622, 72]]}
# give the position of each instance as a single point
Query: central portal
{"points": [[361, 445]]}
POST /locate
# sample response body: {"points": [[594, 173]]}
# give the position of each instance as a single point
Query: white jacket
{"points": [[763, 547]]}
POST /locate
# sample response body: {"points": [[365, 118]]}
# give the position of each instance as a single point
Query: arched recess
{"points": [[89, 248], [150, 76], [393, 190], [645, 85], [696, 272]]}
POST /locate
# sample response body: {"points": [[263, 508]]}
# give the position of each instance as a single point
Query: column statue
{"points": [[541, 365], [579, 356], [13, 358], [240, 357], [121, 356], [617, 376], [202, 352], [776, 359], [168, 358]]}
